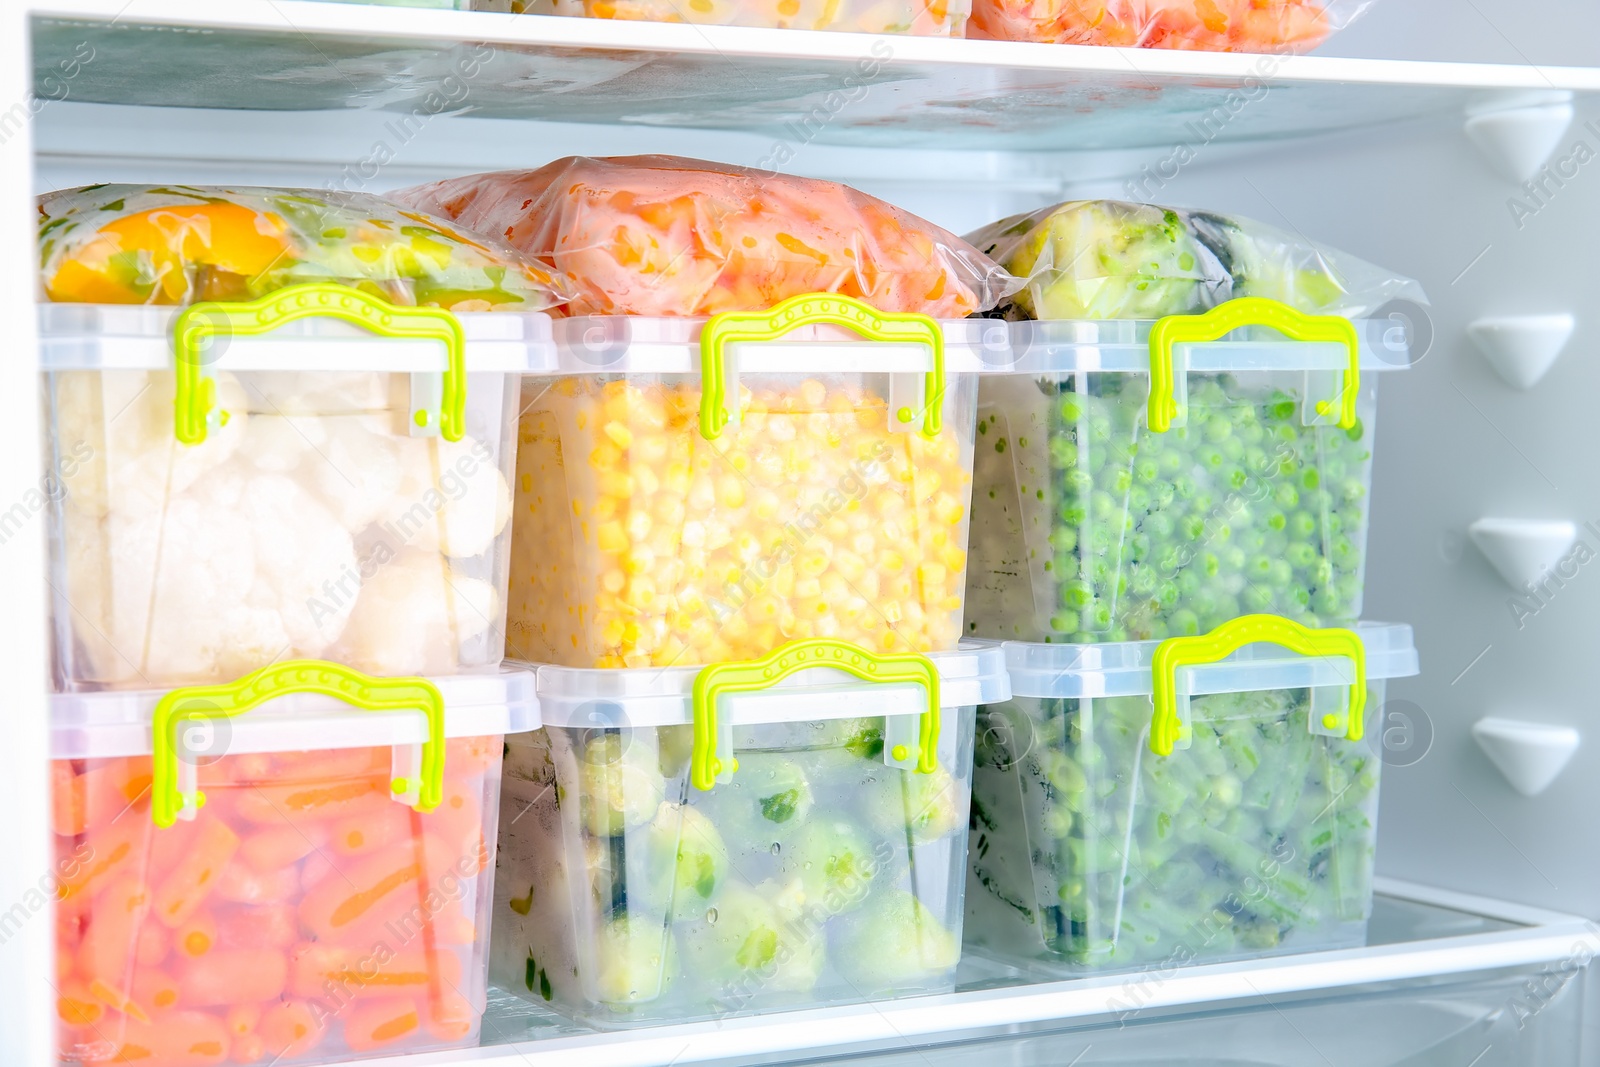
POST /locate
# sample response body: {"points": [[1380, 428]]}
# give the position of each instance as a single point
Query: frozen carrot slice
{"points": [[367, 833], [98, 795], [77, 1006], [196, 935], [177, 1039], [242, 884], [106, 951], [193, 877], [248, 1048], [242, 1019], [257, 926], [154, 991], [373, 1024], [296, 804], [330, 764], [281, 846], [467, 757], [338, 973], [112, 849], [114, 997], [291, 1028], [152, 944], [452, 1017], [372, 890], [228, 976]]}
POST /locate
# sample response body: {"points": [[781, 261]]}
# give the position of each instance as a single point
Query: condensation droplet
{"points": [[776, 848], [711, 916]]}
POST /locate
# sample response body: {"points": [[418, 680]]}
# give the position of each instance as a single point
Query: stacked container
{"points": [[280, 456], [738, 559], [1160, 501]]}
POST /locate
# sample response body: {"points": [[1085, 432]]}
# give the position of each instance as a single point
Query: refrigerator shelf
{"points": [[1444, 971], [798, 86]]}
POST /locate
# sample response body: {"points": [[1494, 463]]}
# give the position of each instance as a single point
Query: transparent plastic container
{"points": [[319, 474], [1105, 514], [660, 524], [915, 18], [302, 884], [1253, 835], [680, 844]]}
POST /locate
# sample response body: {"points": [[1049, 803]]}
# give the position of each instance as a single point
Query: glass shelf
{"points": [[798, 87]]}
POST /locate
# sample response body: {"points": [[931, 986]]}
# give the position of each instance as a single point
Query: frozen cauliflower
{"points": [[126, 420], [414, 615]]}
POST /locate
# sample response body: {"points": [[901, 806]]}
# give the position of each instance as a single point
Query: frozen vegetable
{"points": [[303, 916], [919, 18], [1205, 25], [1108, 259], [1257, 837], [640, 543], [139, 244], [707, 903], [662, 235]]}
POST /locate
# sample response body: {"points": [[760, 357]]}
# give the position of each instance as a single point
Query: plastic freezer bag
{"points": [[1284, 26], [147, 244], [916, 18], [661, 235], [1109, 259]]}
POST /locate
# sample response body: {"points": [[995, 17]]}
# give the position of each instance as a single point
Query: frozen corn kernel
{"points": [[796, 522]]}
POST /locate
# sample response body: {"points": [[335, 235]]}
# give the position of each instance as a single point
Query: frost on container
{"points": [[1091, 851], [313, 520], [303, 916], [1092, 526], [818, 874]]}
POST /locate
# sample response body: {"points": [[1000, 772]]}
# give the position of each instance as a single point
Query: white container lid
{"points": [[139, 337], [1123, 345], [647, 344], [664, 696], [1123, 669], [117, 722]]}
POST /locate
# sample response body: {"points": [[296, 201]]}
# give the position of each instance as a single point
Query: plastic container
{"points": [[1106, 512], [679, 844], [1276, 26], [315, 474], [917, 18], [660, 523], [1155, 804], [302, 884]]}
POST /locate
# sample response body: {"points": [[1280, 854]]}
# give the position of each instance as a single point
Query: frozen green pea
{"points": [[1078, 482], [1159, 525], [1352, 489], [1232, 450], [1170, 463], [1302, 524], [1286, 496], [1146, 470], [1217, 429], [1300, 554], [1063, 453], [1256, 599], [1211, 457], [1138, 500], [1185, 623], [1070, 410], [1320, 572]]}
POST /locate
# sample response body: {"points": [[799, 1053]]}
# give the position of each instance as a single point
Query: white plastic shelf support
{"points": [[1523, 550], [1531, 755], [1522, 348], [1516, 136]]}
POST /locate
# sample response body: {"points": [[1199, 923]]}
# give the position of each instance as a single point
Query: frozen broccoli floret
{"points": [[778, 787], [924, 806], [687, 858], [740, 944], [836, 864], [676, 744], [619, 784], [636, 961], [894, 945]]}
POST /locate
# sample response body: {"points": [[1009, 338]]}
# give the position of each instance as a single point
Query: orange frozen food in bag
{"points": [[663, 235]]}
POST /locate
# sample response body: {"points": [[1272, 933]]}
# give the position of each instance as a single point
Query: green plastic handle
{"points": [[197, 323], [755, 675], [195, 703], [1247, 311], [814, 309], [1227, 639]]}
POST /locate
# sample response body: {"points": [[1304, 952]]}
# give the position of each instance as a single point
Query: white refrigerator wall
{"points": [[1456, 442]]}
